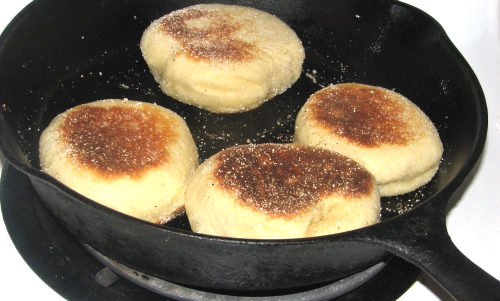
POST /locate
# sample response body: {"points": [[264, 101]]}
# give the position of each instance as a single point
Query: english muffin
{"points": [[380, 129], [223, 58], [275, 191], [131, 156]]}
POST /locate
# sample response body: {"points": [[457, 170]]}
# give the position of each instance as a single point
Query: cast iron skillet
{"points": [[58, 53]]}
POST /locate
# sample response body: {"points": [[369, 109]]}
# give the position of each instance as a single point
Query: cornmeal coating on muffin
{"points": [[223, 58], [273, 191], [380, 129], [133, 157]]}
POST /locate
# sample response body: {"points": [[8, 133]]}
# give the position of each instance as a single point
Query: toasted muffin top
{"points": [[365, 115], [209, 35], [118, 138], [283, 180]]}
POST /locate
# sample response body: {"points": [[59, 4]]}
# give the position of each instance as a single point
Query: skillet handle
{"points": [[420, 237]]}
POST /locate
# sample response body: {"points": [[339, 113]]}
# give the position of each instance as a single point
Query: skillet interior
{"points": [[79, 51]]}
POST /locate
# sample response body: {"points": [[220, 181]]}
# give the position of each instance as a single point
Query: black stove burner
{"points": [[320, 293], [62, 262]]}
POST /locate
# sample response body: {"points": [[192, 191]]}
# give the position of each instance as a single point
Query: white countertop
{"points": [[473, 223]]}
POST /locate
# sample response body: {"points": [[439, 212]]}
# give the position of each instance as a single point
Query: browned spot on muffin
{"points": [[365, 116], [117, 141], [283, 180], [215, 41]]}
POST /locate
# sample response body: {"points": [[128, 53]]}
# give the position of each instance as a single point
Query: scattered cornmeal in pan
{"points": [[133, 157], [275, 191], [378, 128], [223, 58]]}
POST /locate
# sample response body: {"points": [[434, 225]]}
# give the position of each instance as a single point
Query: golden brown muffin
{"points": [[224, 58], [273, 191], [378, 128], [131, 156]]}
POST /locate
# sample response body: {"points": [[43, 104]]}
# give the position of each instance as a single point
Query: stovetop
{"points": [[472, 219]]}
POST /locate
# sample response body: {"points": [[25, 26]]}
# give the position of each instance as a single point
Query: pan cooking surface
{"points": [[127, 76], [378, 47]]}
